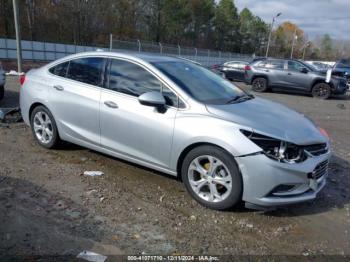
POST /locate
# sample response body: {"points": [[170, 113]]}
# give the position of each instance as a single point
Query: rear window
{"points": [[60, 69], [86, 70]]}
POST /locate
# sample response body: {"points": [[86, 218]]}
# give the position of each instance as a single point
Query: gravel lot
{"points": [[48, 208]]}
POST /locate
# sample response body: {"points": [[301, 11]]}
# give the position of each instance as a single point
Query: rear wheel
{"points": [[212, 177], [2, 92], [44, 127], [259, 84], [321, 90]]}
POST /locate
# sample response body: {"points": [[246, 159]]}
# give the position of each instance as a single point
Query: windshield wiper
{"points": [[240, 98]]}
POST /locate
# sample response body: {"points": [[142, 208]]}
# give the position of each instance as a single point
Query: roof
{"points": [[143, 56]]}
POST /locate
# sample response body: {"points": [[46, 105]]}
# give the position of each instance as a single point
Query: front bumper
{"points": [[262, 176], [340, 87]]}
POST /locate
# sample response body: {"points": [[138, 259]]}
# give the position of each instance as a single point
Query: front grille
{"points": [[316, 150], [320, 170]]}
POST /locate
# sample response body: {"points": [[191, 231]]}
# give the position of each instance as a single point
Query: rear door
{"points": [[235, 70], [297, 79], [129, 128], [274, 69], [75, 98]]}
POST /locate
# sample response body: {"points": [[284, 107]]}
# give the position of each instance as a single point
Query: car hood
{"points": [[271, 119]]}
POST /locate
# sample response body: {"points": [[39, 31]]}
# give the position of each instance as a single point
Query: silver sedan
{"points": [[179, 118]]}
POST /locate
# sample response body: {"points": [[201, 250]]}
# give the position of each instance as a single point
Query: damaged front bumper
{"points": [[271, 183]]}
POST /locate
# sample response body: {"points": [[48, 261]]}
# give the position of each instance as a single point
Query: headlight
{"points": [[276, 149]]}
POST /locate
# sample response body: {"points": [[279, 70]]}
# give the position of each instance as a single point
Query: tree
{"points": [[226, 26], [283, 40], [202, 13], [252, 31], [327, 47]]}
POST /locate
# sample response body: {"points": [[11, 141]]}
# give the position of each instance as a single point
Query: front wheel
{"points": [[211, 176], [259, 84], [321, 90], [44, 127]]}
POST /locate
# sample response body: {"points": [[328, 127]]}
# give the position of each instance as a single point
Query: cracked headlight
{"points": [[276, 149]]}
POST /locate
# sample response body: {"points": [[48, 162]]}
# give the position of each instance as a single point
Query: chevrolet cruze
{"points": [[179, 118]]}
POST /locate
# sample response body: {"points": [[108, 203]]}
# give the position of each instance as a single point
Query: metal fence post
{"points": [[32, 47], [110, 42], [195, 54], [45, 55], [179, 48], [139, 43], [160, 48], [7, 49], [208, 57]]}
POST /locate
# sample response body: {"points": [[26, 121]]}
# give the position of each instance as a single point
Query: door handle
{"points": [[266, 70], [289, 74], [58, 87], [111, 104]]}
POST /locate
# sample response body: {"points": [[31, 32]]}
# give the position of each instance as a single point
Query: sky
{"points": [[315, 17]]}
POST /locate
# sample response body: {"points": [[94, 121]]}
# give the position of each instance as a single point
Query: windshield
{"points": [[200, 83]]}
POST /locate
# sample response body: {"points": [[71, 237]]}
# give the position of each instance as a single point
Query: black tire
{"points": [[235, 196], [54, 141], [2, 92], [259, 84], [321, 91]]}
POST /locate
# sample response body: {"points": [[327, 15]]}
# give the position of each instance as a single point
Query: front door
{"points": [[296, 78], [129, 128]]}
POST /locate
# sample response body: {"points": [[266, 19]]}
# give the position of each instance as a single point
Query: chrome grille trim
{"points": [[321, 169]]}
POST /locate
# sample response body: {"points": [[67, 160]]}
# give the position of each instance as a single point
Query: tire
{"points": [[2, 92], [225, 177], [41, 118], [321, 91], [259, 84]]}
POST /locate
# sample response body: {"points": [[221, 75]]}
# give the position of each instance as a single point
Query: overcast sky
{"points": [[315, 17]]}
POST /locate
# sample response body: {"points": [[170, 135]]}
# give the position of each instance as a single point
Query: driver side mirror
{"points": [[304, 70], [152, 98]]}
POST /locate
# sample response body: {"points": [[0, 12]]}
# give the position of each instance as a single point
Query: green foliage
{"points": [[201, 23]]}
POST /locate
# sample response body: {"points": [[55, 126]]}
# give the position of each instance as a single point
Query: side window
{"points": [[170, 98], [60, 69], [295, 66], [131, 79], [275, 64], [87, 70]]}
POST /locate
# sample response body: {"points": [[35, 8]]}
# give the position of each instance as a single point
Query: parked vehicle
{"points": [[292, 75], [319, 65], [2, 82], [233, 70], [343, 67], [181, 119]]}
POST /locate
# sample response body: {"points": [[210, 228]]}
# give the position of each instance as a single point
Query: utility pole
{"points": [[293, 42], [18, 36], [270, 33]]}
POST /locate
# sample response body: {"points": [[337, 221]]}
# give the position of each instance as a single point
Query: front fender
{"points": [[194, 129]]}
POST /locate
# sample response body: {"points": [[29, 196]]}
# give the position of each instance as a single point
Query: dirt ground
{"points": [[48, 208]]}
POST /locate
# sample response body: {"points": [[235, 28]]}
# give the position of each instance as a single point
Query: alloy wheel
{"points": [[209, 178], [43, 127], [321, 90]]}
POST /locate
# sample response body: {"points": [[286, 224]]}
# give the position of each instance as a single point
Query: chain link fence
{"points": [[205, 57]]}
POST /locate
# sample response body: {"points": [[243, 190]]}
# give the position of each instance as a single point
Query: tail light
{"points": [[22, 78], [247, 68]]}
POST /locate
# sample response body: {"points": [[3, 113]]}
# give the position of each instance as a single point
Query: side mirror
{"points": [[152, 98], [304, 70]]}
